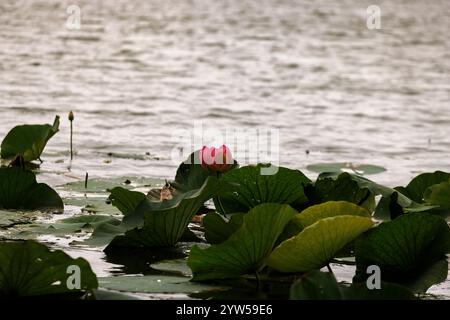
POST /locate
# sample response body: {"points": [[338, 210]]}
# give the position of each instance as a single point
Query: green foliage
{"points": [[28, 141], [403, 248], [166, 222], [19, 190], [318, 243], [416, 188], [125, 200], [245, 250], [318, 285], [340, 188], [217, 230], [30, 269], [247, 188]]}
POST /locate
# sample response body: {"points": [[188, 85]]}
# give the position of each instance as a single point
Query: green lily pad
{"points": [[317, 212], [246, 249], [318, 243], [328, 209], [343, 166], [436, 201], [102, 185], [176, 266], [70, 226], [28, 268], [28, 140], [403, 248], [190, 174], [438, 195], [100, 294], [125, 200], [340, 188], [104, 233], [391, 203], [249, 188], [217, 230], [434, 274], [165, 223], [323, 286], [93, 205], [416, 188], [12, 218], [19, 190], [155, 284]]}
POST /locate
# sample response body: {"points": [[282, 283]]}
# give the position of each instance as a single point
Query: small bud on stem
{"points": [[71, 118]]}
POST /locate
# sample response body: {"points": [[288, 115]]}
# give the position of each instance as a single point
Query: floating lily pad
{"points": [[403, 248], [28, 140], [246, 249], [318, 243], [19, 190], [28, 268], [100, 185], [11, 218], [323, 286], [155, 284], [249, 188], [69, 226], [176, 266], [93, 205], [100, 294], [345, 166]]}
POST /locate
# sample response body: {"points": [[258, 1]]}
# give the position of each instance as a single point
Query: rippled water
{"points": [[137, 71]]}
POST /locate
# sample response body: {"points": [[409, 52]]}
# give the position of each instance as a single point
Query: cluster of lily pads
{"points": [[280, 230]]}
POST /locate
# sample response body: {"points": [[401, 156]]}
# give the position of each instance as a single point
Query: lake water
{"points": [[136, 71]]}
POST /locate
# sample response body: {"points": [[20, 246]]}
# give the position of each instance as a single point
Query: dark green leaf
{"points": [[155, 284], [416, 188], [248, 187], [19, 190], [340, 188], [28, 140], [28, 268], [166, 222], [403, 248], [125, 200], [323, 286], [217, 230]]}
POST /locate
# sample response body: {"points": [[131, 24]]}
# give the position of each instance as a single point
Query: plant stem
{"points": [[86, 180], [329, 269], [219, 202], [71, 136], [258, 280], [71, 118]]}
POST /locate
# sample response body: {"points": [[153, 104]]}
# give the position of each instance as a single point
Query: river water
{"points": [[137, 71]]}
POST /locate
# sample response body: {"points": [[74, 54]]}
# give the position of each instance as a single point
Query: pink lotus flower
{"points": [[216, 159]]}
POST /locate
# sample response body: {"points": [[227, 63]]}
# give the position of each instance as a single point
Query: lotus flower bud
{"points": [[216, 159]]}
